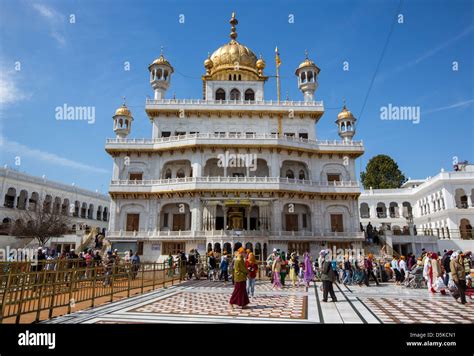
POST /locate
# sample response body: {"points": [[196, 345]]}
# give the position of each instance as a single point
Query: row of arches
{"points": [[345, 126], [236, 166], [382, 212], [159, 74], [216, 216], [56, 205], [307, 76], [234, 94]]}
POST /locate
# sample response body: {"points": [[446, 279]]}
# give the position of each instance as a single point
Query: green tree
{"points": [[382, 172]]}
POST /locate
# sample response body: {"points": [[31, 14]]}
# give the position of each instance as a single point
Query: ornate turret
{"points": [[160, 75], [346, 124], [122, 121], [307, 73]]}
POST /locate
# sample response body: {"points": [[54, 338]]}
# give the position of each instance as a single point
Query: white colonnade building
{"points": [[440, 208], [233, 169]]}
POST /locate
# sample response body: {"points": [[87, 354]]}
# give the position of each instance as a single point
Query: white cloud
{"points": [[47, 12], [55, 20], [431, 52], [452, 106], [9, 91], [52, 158]]}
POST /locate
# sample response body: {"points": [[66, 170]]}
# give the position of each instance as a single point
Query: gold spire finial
{"points": [[233, 22], [306, 53], [161, 51], [124, 101]]}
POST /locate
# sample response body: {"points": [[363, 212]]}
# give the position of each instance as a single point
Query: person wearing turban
{"points": [[239, 296]]}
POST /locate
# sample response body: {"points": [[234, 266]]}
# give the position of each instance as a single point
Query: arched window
{"points": [[180, 173], [220, 94], [290, 174], [240, 77], [168, 174], [235, 77], [234, 94], [310, 76], [10, 198], [249, 94], [303, 77], [301, 175]]}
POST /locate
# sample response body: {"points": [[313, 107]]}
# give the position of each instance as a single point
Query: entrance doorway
{"points": [[179, 222], [236, 218], [291, 222], [132, 222], [336, 223]]}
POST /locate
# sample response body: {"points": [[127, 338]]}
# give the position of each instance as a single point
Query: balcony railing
{"points": [[320, 234], [236, 180], [252, 180], [232, 136], [201, 102]]}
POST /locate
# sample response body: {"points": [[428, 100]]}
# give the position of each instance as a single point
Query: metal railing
{"points": [[445, 233], [56, 287]]}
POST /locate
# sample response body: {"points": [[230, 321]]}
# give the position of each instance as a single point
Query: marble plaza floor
{"points": [[207, 302]]}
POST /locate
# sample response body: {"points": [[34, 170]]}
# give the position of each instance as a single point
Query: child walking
{"points": [[252, 269], [301, 274]]}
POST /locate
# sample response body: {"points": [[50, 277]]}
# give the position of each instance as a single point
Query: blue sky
{"points": [[82, 64]]}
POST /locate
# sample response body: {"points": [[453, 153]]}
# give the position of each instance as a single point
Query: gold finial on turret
{"points": [[233, 22]]}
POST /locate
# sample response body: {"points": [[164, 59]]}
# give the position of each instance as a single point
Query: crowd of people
{"points": [[87, 261], [447, 273]]}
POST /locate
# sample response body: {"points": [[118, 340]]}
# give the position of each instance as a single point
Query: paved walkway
{"points": [[207, 302]]}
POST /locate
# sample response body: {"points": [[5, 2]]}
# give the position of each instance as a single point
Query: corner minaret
{"points": [[346, 124], [160, 76], [307, 74], [122, 121]]}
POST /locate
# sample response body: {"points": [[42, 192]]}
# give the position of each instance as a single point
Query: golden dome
{"points": [[308, 63], [260, 63], [345, 114], [123, 111], [163, 61], [234, 56]]}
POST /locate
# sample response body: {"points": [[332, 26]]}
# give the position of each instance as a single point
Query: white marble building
{"points": [[232, 168], [440, 207], [20, 191]]}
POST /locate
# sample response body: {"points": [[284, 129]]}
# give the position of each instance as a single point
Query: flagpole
{"points": [[278, 62]]}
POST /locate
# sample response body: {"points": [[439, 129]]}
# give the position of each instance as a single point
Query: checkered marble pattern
{"points": [[212, 304], [426, 311], [205, 301], [260, 286]]}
